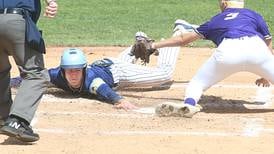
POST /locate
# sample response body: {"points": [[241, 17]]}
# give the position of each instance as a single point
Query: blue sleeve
{"points": [[107, 94], [203, 30], [53, 74], [103, 91]]}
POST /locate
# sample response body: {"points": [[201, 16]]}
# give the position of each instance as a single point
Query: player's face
{"points": [[74, 77]]}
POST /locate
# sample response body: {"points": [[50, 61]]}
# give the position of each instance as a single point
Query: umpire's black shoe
{"points": [[20, 130]]}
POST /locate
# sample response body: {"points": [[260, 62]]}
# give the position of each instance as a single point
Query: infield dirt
{"points": [[230, 122]]}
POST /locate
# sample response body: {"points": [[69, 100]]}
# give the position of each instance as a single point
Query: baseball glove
{"points": [[142, 49]]}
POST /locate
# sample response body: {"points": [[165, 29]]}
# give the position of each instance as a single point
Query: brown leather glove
{"points": [[142, 49]]}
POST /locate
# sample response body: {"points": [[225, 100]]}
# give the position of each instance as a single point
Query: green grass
{"points": [[114, 22]]}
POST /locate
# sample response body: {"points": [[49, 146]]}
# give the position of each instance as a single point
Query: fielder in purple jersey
{"points": [[243, 42]]}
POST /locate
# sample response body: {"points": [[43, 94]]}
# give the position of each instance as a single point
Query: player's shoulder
{"points": [[249, 11], [243, 11], [90, 71], [55, 73], [91, 68], [54, 70]]}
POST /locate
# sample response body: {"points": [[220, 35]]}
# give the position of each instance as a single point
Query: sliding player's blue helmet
{"points": [[73, 58]]}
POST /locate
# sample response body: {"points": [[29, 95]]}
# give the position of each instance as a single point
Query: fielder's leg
{"points": [[231, 56], [210, 73], [261, 60]]}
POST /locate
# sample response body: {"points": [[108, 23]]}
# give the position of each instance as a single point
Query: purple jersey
{"points": [[234, 23]]}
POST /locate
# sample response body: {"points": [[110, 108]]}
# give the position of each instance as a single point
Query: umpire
{"points": [[21, 39]]}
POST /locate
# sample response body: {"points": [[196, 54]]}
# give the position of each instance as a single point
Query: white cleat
{"points": [[182, 26], [141, 35], [169, 109]]}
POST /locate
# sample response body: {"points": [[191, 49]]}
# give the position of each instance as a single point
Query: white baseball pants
{"points": [[127, 74], [233, 55]]}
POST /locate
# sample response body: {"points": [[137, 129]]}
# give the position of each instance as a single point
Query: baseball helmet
{"points": [[73, 58]]}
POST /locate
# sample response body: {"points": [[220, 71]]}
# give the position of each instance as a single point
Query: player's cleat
{"points": [[141, 35], [168, 109], [18, 129], [181, 27]]}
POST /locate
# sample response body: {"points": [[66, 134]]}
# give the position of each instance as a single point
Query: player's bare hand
{"points": [[51, 9], [263, 82], [124, 104]]}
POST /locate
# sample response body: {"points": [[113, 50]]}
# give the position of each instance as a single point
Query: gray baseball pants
{"points": [[31, 67]]}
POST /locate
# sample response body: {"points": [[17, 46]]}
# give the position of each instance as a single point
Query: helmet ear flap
{"points": [[73, 58]]}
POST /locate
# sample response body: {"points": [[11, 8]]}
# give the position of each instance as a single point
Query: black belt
{"points": [[12, 11]]}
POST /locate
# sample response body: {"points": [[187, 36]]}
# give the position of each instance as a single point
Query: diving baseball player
{"points": [[100, 77]]}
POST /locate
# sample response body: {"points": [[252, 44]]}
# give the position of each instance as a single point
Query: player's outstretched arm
{"points": [[180, 40], [124, 104], [104, 92]]}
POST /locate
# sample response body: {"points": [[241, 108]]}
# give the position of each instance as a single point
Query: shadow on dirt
{"points": [[210, 104], [164, 86], [14, 141], [214, 104], [65, 94]]}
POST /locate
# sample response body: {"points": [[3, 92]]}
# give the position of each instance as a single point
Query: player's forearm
{"points": [[172, 42], [105, 92], [181, 40]]}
